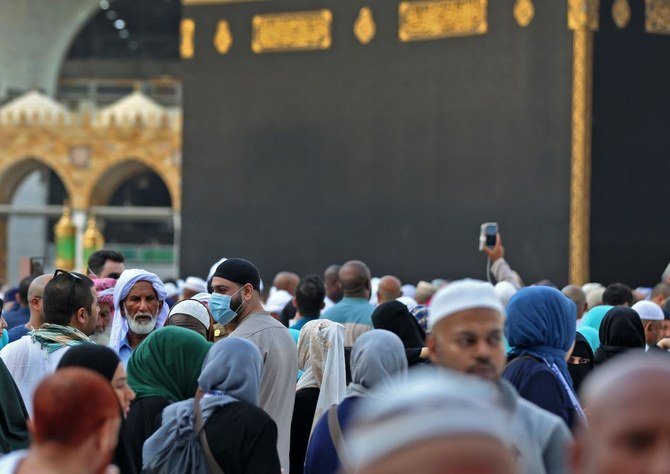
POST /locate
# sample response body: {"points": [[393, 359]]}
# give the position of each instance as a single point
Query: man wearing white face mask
{"points": [[139, 302], [236, 304]]}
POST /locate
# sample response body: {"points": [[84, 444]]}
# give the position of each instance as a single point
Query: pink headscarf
{"points": [[105, 289]]}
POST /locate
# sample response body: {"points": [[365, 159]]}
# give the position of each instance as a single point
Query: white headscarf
{"points": [[321, 356], [123, 286]]}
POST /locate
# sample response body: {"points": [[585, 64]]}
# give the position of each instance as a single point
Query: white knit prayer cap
{"points": [[461, 295]]}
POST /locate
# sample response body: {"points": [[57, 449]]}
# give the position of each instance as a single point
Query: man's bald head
{"points": [[332, 274], [331, 278], [629, 424], [355, 279], [36, 288], [287, 281], [35, 298], [389, 289], [578, 296]]}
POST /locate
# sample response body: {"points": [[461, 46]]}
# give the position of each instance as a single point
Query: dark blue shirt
{"points": [[17, 317], [536, 382], [17, 332], [321, 456]]}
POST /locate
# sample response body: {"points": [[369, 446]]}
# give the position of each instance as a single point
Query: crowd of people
{"points": [[120, 371]]}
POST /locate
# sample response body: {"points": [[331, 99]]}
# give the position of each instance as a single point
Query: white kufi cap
{"points": [[462, 295]]}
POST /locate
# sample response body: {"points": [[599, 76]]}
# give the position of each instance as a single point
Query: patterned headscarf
{"points": [[105, 289], [321, 356]]}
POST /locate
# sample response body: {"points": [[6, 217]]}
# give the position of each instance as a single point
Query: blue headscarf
{"points": [[594, 317], [592, 336], [541, 322]]}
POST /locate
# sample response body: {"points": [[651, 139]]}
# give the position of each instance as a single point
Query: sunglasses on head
{"points": [[74, 278]]}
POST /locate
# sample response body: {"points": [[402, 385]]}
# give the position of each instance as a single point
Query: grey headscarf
{"points": [[231, 372], [377, 356]]}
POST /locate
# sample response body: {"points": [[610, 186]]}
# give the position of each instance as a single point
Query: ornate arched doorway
{"points": [[31, 196], [135, 212]]}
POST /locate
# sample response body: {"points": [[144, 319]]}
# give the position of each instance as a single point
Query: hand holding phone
{"points": [[488, 235], [490, 241]]}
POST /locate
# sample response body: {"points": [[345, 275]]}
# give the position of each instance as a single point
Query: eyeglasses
{"points": [[70, 299]]}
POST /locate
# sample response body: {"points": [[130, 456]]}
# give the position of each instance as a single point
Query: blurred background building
{"points": [[90, 114]]}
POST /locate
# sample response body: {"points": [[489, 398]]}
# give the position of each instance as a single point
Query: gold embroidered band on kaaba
{"points": [[433, 19]]}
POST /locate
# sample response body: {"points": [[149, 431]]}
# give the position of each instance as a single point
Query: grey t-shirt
{"points": [[280, 370], [541, 439]]}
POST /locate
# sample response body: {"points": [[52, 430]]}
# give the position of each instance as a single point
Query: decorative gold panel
{"points": [[295, 31], [187, 34], [364, 26], [432, 19], [621, 13], [223, 38], [214, 2], [658, 17], [524, 11], [583, 14]]}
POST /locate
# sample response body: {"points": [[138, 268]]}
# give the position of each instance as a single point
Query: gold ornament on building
{"points": [[294, 31], [657, 17], [434, 19], [524, 12], [64, 233], [621, 13], [92, 239], [364, 27], [223, 38], [187, 38], [583, 14]]}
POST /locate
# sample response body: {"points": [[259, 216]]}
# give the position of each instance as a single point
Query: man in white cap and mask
{"points": [[466, 321], [139, 302]]}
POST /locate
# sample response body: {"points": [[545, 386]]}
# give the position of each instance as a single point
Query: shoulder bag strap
{"points": [[199, 428], [338, 440]]}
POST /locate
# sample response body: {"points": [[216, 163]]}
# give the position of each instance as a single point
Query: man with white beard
{"points": [[139, 308]]}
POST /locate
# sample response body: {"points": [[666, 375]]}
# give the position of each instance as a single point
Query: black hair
{"points": [[618, 294], [64, 295], [97, 259], [23, 289], [309, 295]]}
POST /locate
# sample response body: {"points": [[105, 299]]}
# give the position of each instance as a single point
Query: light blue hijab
{"points": [[594, 317], [231, 372], [378, 356], [591, 335]]}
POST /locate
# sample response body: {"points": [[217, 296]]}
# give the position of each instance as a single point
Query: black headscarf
{"points": [[104, 361], [395, 317], [99, 359], [13, 414], [578, 372], [621, 330]]}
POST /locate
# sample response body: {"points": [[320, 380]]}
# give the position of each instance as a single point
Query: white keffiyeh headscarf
{"points": [[123, 286], [321, 356]]}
